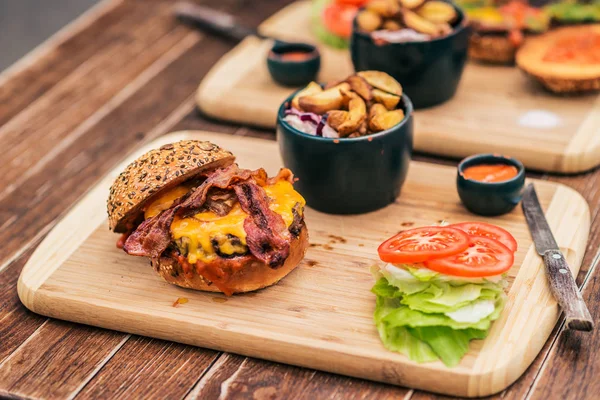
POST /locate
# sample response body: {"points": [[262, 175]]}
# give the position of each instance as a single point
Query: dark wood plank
{"points": [[56, 360], [35, 134], [16, 322], [32, 81], [149, 369], [236, 377]]}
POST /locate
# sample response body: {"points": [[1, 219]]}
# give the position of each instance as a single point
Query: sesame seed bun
{"points": [[253, 276], [158, 170]]}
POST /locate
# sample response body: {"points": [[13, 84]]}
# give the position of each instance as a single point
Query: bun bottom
{"points": [[492, 48], [252, 276]]}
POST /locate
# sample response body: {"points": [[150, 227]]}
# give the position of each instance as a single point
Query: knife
{"points": [[559, 275], [214, 21]]}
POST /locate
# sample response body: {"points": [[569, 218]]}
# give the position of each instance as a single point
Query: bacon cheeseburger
{"points": [[205, 223]]}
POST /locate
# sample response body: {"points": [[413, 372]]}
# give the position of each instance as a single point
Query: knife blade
{"points": [[562, 284], [212, 20]]}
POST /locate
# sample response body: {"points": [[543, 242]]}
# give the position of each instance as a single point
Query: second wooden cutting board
{"points": [[321, 315], [496, 109]]}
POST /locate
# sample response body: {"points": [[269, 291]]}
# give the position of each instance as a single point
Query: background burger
{"points": [[205, 223]]}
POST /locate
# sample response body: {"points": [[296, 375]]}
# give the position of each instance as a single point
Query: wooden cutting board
{"points": [[321, 315], [491, 111]]}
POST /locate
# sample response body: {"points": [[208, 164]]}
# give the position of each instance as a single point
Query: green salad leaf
{"points": [[429, 316]]}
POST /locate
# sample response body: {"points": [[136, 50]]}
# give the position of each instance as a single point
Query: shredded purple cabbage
{"points": [[310, 123]]}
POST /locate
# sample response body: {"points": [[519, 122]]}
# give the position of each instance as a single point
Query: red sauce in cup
{"points": [[293, 56], [490, 172]]}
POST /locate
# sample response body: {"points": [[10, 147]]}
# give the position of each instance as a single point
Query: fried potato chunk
{"points": [[437, 12], [368, 20], [311, 88], [384, 8], [360, 86], [357, 114], [411, 4], [336, 118], [322, 102], [382, 81], [420, 24], [390, 101], [386, 120]]}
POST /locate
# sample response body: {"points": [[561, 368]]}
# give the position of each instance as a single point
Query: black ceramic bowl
{"points": [[348, 175], [490, 198], [293, 73], [428, 71]]}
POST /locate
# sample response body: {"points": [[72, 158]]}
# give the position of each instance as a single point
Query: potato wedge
{"points": [[382, 81], [411, 4], [331, 84], [390, 101], [363, 128], [360, 86], [384, 8], [354, 134], [311, 88], [444, 28], [392, 25], [420, 24], [368, 20], [437, 12], [357, 114], [376, 109], [327, 100], [336, 118], [387, 120]]}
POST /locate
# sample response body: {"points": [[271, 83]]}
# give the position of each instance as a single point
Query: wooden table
{"points": [[121, 75]]}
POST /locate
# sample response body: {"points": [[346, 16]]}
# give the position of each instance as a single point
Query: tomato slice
{"points": [[490, 231], [484, 257], [421, 244], [338, 18], [355, 3]]}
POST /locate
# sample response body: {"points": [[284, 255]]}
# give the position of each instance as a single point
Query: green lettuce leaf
{"points": [[450, 345], [410, 314]]}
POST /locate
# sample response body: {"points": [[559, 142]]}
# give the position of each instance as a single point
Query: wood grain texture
{"points": [[484, 116], [305, 334], [564, 368], [236, 377], [31, 371], [150, 369]]}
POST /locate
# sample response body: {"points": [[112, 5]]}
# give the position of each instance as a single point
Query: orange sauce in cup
{"points": [[294, 56], [490, 172]]}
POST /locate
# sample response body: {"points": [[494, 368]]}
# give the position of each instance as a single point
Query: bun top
{"points": [[156, 171]]}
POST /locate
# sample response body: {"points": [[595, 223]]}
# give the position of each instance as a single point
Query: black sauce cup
{"points": [[429, 71], [348, 175]]}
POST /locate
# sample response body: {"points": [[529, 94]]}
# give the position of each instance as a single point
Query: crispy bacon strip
{"points": [[266, 234], [153, 235]]}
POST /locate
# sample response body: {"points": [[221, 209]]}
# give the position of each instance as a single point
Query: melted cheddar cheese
{"points": [[165, 201], [198, 232]]}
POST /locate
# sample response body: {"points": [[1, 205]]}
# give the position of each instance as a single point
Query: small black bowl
{"points": [[490, 198], [429, 72], [348, 175], [293, 73]]}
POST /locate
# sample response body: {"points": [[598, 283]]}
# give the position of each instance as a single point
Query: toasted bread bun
{"points": [[252, 276], [559, 77], [158, 170], [495, 49]]}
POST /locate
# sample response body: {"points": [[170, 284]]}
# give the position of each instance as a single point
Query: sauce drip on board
{"points": [[490, 172], [293, 56], [576, 49]]}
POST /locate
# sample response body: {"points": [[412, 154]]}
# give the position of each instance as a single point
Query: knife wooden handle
{"points": [[565, 291]]}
